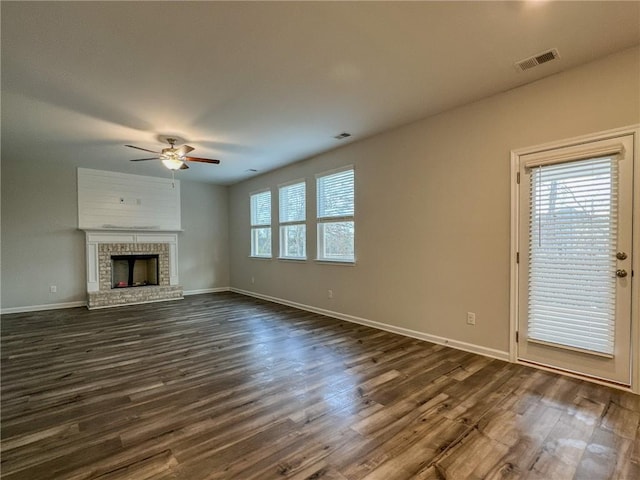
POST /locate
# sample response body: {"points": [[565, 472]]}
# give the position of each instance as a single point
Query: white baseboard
{"points": [[467, 347], [129, 304], [206, 290], [56, 306], [39, 308]]}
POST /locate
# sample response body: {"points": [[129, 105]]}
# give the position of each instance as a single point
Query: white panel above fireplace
{"points": [[119, 201]]}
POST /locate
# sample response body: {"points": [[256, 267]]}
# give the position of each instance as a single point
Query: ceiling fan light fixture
{"points": [[172, 163], [173, 158]]}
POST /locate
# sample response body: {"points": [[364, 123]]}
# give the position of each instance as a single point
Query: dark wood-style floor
{"points": [[223, 386]]}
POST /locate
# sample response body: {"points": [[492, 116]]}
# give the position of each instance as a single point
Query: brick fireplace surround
{"points": [[102, 245]]}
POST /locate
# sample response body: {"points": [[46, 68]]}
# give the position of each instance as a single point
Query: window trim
{"points": [[282, 224], [334, 219], [253, 227]]}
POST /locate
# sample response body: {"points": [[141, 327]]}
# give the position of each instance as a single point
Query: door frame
{"points": [[635, 263]]}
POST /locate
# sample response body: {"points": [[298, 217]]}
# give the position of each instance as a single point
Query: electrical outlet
{"points": [[471, 318], [253, 280], [53, 289], [329, 293]]}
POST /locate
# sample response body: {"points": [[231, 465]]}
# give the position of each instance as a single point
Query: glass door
{"points": [[575, 258]]}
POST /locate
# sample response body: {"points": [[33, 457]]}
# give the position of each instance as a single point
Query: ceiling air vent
{"points": [[536, 60]]}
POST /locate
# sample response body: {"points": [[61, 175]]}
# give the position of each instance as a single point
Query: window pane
{"points": [[292, 203], [261, 208], [572, 248], [261, 242], [292, 241], [336, 241], [336, 194]]}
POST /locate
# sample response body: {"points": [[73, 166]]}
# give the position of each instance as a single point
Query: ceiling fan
{"points": [[173, 158]]}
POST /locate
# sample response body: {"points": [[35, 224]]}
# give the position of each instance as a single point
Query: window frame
{"points": [[256, 227], [322, 221], [284, 224]]}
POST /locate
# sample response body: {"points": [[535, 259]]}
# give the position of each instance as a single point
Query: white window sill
{"points": [[260, 257], [293, 259], [348, 263]]}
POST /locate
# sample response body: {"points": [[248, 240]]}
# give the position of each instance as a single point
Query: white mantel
{"points": [[112, 236]]}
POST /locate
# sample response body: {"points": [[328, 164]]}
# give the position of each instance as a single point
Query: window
{"points": [[261, 224], [293, 231], [336, 227], [572, 245]]}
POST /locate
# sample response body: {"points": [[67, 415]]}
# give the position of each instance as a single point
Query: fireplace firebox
{"points": [[134, 270]]}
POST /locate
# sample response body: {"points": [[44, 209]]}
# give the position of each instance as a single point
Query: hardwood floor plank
{"points": [[59, 466], [22, 440], [143, 469], [222, 386]]}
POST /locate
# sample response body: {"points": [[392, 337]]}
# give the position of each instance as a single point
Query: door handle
{"points": [[621, 273]]}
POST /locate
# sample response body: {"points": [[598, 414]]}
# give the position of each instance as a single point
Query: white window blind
{"points": [[292, 203], [261, 209], [260, 204], [335, 210], [573, 239], [293, 231], [335, 194]]}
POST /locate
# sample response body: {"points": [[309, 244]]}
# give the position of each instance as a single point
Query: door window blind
{"points": [[573, 239]]}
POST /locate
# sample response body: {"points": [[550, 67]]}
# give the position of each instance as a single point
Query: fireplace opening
{"points": [[134, 270]]}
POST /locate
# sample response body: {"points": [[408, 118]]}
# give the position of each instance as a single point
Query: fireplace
{"points": [[134, 270], [131, 267]]}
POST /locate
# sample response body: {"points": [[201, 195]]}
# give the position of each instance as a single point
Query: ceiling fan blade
{"points": [[184, 166], [143, 159], [183, 150], [203, 160], [139, 148]]}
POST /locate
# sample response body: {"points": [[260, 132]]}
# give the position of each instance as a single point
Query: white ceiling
{"points": [[262, 84]]}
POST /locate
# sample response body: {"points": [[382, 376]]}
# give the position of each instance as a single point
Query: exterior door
{"points": [[574, 270]]}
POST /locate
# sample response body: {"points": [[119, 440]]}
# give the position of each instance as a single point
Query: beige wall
{"points": [[433, 207], [204, 245], [41, 245]]}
